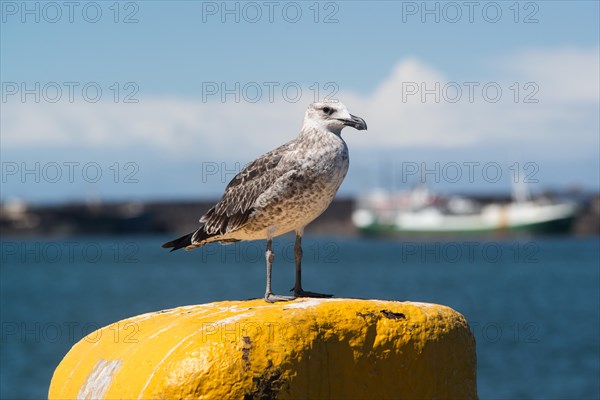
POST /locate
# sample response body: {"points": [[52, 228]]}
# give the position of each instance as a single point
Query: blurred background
{"points": [[476, 185]]}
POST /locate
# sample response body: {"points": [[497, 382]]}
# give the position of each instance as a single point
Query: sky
{"points": [[151, 100]]}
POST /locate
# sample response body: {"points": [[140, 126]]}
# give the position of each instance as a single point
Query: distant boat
{"points": [[420, 212]]}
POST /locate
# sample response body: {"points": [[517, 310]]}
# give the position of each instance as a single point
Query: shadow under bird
{"points": [[282, 191]]}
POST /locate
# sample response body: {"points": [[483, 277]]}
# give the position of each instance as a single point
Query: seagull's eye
{"points": [[327, 110]]}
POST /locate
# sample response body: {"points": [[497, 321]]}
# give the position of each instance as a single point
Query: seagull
{"points": [[282, 191]]}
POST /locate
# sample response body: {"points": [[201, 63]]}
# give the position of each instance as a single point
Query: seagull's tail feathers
{"points": [[196, 239], [179, 243], [189, 241]]}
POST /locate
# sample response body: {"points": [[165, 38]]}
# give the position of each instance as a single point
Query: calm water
{"points": [[533, 305]]}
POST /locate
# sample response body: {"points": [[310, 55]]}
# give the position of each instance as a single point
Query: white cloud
{"points": [[552, 109], [401, 116], [181, 127], [566, 74], [565, 117]]}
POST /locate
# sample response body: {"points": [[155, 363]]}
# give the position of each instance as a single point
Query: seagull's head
{"points": [[332, 116]]}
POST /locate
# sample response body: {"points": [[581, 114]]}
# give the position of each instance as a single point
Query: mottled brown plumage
{"points": [[238, 201]]}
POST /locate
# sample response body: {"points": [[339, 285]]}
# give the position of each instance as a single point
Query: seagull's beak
{"points": [[355, 122]]}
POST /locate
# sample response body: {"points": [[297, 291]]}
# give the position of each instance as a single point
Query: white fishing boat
{"points": [[423, 212]]}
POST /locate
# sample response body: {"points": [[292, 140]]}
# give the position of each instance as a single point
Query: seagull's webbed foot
{"points": [[304, 293], [272, 298]]}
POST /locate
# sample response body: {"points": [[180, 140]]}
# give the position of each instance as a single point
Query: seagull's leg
{"points": [[269, 296], [298, 291]]}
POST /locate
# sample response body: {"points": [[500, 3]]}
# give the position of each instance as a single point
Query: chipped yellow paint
{"points": [[308, 348]]}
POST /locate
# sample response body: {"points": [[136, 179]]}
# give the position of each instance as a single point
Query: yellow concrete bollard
{"points": [[305, 349]]}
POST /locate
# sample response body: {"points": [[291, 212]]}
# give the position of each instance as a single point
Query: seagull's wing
{"points": [[238, 201]]}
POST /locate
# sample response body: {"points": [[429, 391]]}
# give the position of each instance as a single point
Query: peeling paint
{"points": [[393, 315], [99, 380], [306, 303]]}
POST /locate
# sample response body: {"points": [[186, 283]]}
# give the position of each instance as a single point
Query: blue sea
{"points": [[533, 304]]}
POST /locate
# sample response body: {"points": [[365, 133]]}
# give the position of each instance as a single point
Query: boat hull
{"points": [[495, 220]]}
